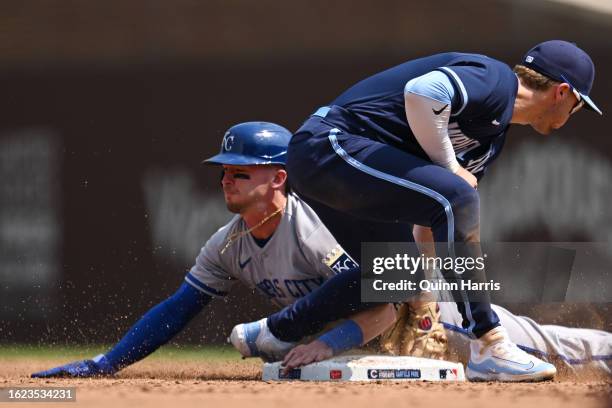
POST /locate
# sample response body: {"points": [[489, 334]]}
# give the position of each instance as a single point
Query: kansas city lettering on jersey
{"points": [[461, 143], [295, 288], [478, 164], [337, 260]]}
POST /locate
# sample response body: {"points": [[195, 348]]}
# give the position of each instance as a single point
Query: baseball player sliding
{"points": [[408, 146], [275, 243], [287, 254]]}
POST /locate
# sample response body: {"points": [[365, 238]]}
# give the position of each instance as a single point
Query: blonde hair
{"points": [[533, 79]]}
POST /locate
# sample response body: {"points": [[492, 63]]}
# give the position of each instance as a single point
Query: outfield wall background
{"points": [[108, 107]]}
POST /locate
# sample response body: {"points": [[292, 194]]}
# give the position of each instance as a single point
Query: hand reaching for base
{"points": [[306, 354]]}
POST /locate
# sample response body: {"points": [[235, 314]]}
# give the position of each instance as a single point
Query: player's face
{"points": [[248, 187], [563, 102]]}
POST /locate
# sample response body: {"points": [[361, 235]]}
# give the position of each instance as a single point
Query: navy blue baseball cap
{"points": [[563, 61], [253, 143]]}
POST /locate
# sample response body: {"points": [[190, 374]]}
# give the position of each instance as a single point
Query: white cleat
{"points": [[495, 358], [255, 340]]}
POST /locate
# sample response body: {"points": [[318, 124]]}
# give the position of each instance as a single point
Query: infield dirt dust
{"points": [[237, 385]]}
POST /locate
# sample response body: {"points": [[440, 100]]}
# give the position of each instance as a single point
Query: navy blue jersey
{"points": [[485, 90]]}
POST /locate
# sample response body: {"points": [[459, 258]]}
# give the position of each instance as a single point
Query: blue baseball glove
{"points": [[96, 367]]}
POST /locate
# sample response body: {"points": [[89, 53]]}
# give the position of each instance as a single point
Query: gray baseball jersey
{"points": [[297, 259]]}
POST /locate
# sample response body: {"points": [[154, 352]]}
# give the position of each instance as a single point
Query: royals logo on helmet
{"points": [[228, 141]]}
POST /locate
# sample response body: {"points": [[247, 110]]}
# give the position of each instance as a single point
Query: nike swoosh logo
{"points": [[437, 112], [528, 366], [243, 264], [495, 122]]}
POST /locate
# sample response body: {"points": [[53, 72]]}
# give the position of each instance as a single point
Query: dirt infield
{"points": [[236, 384]]}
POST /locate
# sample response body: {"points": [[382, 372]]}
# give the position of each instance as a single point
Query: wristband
{"points": [[343, 337]]}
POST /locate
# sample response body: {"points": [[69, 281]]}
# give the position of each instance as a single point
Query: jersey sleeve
{"points": [[325, 254], [209, 274]]}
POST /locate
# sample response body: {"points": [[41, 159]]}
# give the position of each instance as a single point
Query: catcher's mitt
{"points": [[417, 332]]}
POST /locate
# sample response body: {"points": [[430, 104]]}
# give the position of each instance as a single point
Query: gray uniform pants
{"points": [[573, 351]]}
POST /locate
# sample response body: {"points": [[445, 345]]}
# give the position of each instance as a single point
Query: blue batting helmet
{"points": [[253, 143]]}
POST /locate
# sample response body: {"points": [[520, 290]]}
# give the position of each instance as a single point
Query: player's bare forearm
{"points": [[423, 236], [374, 321]]}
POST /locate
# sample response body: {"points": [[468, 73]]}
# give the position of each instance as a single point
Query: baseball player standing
{"points": [[409, 145]]}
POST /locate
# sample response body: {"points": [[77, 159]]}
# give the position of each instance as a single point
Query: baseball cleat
{"points": [[255, 340], [498, 359]]}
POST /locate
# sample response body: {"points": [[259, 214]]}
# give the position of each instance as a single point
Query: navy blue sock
{"points": [[337, 298], [157, 326]]}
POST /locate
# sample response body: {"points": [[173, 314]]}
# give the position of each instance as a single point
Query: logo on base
{"points": [[394, 374], [294, 374], [448, 373], [335, 374]]}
